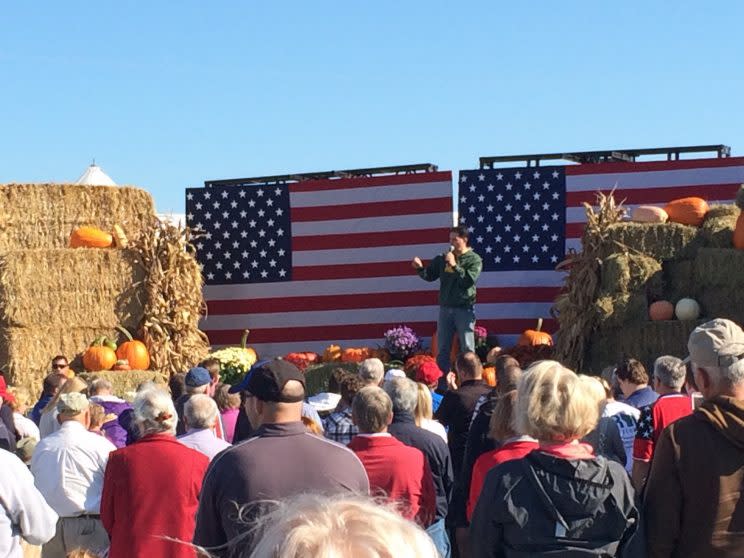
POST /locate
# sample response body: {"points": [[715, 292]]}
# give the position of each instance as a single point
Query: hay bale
{"points": [[723, 302], [717, 231], [719, 267], [26, 353], [679, 280], [624, 272], [125, 382], [660, 241], [67, 287], [44, 215], [617, 310]]}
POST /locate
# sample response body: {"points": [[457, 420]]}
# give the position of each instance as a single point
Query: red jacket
{"points": [[511, 450], [401, 472], [151, 489]]}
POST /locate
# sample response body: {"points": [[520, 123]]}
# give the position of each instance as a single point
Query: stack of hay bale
{"points": [[55, 299], [646, 262]]}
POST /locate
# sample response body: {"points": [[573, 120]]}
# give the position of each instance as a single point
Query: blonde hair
{"points": [[312, 525], [73, 385], [22, 397], [97, 416], [424, 404], [501, 425], [594, 389], [554, 405]]}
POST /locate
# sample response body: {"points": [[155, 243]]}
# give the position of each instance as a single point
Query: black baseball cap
{"points": [[266, 380]]}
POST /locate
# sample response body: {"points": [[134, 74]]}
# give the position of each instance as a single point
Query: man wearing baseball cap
{"points": [[282, 459], [694, 490]]}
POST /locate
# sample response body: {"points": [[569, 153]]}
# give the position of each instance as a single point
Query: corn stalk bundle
{"points": [[174, 301], [574, 309]]}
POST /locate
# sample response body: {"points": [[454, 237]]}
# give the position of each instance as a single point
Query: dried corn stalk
{"points": [[174, 303], [574, 308]]}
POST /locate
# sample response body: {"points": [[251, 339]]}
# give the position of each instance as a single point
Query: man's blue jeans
{"points": [[438, 533], [454, 319]]}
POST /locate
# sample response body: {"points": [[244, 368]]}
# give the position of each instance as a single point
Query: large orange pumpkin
{"points": [[531, 337], [687, 211], [98, 356], [355, 354], [489, 375], [454, 351], [90, 237], [133, 351]]}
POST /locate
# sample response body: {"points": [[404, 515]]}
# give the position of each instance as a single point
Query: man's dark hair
{"points": [[350, 384], [177, 385], [508, 373], [52, 383], [60, 357], [210, 363], [633, 371], [461, 231], [469, 366]]}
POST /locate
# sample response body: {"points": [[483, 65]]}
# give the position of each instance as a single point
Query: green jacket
{"points": [[456, 287]]}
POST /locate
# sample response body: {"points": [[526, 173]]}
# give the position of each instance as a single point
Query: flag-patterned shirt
{"points": [[655, 418]]}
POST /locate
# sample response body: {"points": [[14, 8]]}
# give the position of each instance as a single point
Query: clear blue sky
{"points": [[167, 94]]}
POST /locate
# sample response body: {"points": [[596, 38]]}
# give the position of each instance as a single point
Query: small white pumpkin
{"points": [[649, 214], [687, 309]]}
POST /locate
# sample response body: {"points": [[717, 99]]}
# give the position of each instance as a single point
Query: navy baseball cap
{"points": [[266, 380], [197, 377]]}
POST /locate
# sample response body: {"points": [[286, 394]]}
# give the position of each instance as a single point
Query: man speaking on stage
{"points": [[457, 270]]}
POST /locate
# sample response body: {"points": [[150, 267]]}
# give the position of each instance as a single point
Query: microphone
{"points": [[451, 249]]}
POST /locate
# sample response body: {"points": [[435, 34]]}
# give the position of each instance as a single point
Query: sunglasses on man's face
{"points": [[60, 366]]}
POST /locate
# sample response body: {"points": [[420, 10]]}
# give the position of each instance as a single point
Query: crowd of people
{"points": [[547, 462]]}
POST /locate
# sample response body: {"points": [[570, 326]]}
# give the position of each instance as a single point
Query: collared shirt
{"points": [[339, 427], [68, 469], [203, 440]]}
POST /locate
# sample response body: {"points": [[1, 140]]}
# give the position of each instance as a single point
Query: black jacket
{"points": [[548, 506], [437, 454]]}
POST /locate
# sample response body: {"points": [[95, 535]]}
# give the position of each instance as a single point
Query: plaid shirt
{"points": [[339, 428]]}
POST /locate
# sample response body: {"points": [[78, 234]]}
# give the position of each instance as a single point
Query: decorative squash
{"points": [[687, 211], [90, 237], [661, 310], [120, 237], [122, 365], [454, 350], [332, 353], [535, 336], [489, 375], [739, 228], [98, 356], [687, 309], [353, 354], [133, 351], [302, 360], [649, 214]]}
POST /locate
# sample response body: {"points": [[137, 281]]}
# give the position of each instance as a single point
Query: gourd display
{"points": [[661, 310], [332, 353], [302, 360], [489, 375], [687, 211], [531, 337], [687, 309], [649, 214], [98, 356], [122, 365], [90, 237], [133, 351], [355, 354]]}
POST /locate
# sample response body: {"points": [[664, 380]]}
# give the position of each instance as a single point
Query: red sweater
{"points": [[400, 472], [513, 450], [151, 489]]}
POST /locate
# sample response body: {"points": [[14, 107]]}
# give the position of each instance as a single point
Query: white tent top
{"points": [[94, 176]]}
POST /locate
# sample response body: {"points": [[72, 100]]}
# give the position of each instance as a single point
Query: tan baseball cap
{"points": [[72, 403], [717, 343]]}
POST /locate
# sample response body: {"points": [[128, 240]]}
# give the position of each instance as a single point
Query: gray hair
{"points": [[195, 390], [99, 385], [371, 371], [404, 394], [670, 371], [154, 412], [371, 409], [726, 376], [200, 411]]}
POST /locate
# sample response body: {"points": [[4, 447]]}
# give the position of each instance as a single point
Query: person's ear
{"points": [[702, 379], [389, 419]]}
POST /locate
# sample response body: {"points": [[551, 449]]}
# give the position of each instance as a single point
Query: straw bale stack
{"points": [[124, 383], [88, 286], [661, 241], [624, 272], [617, 310], [719, 267], [717, 231]]}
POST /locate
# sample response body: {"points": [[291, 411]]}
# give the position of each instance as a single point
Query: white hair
{"points": [[371, 371], [670, 371], [404, 394], [200, 411], [726, 376], [100, 385], [154, 412]]}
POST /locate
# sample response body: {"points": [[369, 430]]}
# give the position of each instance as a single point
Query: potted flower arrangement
{"points": [[402, 342]]}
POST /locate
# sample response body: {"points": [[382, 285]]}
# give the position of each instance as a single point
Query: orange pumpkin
{"points": [[121, 365], [489, 375], [133, 351], [98, 356], [302, 360], [687, 211], [90, 237], [454, 350], [332, 353], [661, 310], [531, 337], [357, 354]]}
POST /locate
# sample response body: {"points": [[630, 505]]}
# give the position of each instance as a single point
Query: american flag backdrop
{"points": [[306, 264], [523, 220]]}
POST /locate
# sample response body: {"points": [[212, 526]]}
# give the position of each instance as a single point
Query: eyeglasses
{"points": [[60, 366]]}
